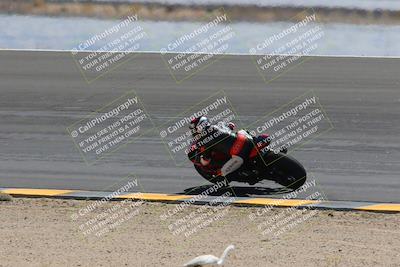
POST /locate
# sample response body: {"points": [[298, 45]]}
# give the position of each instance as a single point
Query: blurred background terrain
{"points": [[355, 27]]}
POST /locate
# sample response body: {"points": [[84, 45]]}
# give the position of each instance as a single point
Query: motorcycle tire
{"points": [[208, 176], [285, 170]]}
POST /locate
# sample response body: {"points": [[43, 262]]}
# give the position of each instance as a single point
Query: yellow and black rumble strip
{"points": [[176, 198]]}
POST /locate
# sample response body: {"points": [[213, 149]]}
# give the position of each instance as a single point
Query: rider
{"points": [[219, 138]]}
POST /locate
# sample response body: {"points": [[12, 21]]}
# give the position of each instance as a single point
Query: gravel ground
{"points": [[50, 232]]}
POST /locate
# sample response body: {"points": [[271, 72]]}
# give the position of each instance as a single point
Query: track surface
{"points": [[43, 92]]}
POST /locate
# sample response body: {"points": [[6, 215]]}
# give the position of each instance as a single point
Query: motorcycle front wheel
{"points": [[284, 169], [208, 176]]}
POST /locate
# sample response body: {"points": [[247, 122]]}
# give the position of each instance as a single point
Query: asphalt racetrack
{"points": [[44, 92]]}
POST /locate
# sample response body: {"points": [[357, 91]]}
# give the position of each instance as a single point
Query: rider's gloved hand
{"points": [[204, 160], [219, 173]]}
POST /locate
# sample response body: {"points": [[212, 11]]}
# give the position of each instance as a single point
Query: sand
{"points": [[50, 232]]}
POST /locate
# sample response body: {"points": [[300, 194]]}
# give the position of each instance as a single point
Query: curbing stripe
{"points": [[241, 201], [381, 207], [35, 192]]}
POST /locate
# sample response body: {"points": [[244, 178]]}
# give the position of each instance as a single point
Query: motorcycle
{"points": [[262, 164]]}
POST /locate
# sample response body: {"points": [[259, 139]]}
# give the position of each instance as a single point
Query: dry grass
{"points": [[5, 197]]}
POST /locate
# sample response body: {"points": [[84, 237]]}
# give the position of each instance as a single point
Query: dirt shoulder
{"points": [[49, 232], [176, 12]]}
